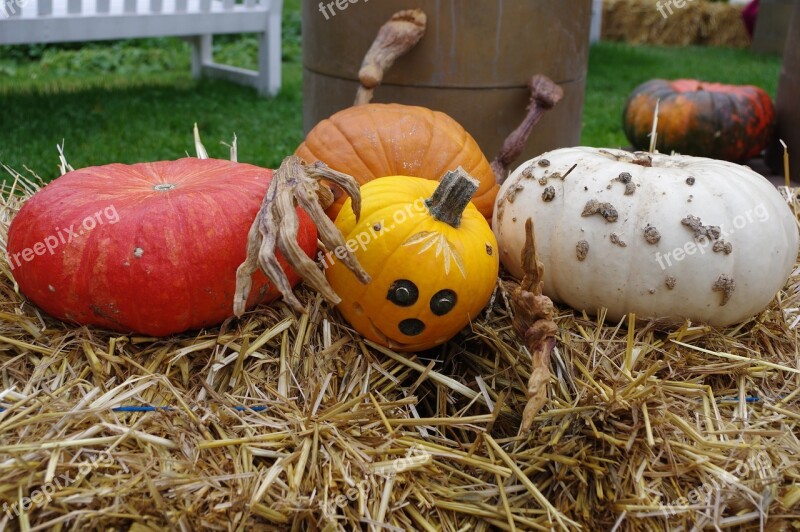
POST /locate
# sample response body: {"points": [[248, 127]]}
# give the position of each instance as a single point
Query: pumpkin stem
{"points": [[452, 196], [545, 94], [395, 38]]}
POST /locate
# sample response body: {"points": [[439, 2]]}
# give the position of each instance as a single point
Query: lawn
{"points": [[136, 101]]}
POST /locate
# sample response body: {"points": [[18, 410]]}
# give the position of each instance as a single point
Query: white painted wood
{"points": [[201, 53], [43, 21], [45, 7], [269, 53], [241, 76], [10, 9], [33, 9], [595, 29]]}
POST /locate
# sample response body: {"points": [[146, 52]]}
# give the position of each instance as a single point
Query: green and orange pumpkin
{"points": [[729, 122]]}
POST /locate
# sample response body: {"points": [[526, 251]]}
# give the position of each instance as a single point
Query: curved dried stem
{"points": [[533, 322], [276, 227], [395, 38], [545, 94]]}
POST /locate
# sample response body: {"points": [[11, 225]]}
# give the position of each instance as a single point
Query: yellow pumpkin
{"points": [[431, 254]]}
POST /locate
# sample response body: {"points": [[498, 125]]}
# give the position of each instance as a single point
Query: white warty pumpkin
{"points": [[670, 237]]}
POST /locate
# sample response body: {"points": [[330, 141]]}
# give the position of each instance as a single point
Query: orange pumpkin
{"points": [[728, 122], [378, 140]]}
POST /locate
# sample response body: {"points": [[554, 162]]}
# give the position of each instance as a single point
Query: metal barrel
{"points": [[473, 63]]}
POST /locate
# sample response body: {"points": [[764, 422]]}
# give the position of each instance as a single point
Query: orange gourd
{"points": [[378, 140]]}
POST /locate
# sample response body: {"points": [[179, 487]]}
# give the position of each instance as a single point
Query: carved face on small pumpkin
{"points": [[431, 255]]}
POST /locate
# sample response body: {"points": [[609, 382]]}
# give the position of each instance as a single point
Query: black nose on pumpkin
{"points": [[411, 327]]}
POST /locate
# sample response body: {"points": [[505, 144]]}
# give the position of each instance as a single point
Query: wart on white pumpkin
{"points": [[527, 173], [615, 239], [696, 225], [512, 192], [582, 249], [720, 246], [606, 210], [627, 179], [652, 235], [726, 285]]}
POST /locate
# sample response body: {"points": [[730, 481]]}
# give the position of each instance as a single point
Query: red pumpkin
{"points": [[728, 122], [150, 248]]}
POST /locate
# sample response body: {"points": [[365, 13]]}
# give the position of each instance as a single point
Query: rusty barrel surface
{"points": [[473, 63], [772, 26]]}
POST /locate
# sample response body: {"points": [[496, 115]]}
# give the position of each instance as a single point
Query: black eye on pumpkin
{"points": [[403, 293], [411, 327], [443, 302]]}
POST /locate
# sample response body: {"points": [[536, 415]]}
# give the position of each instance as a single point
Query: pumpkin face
{"points": [[428, 277], [728, 122], [149, 248], [378, 140], [684, 237]]}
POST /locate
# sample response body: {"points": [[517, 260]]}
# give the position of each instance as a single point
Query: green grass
{"points": [[135, 101]]}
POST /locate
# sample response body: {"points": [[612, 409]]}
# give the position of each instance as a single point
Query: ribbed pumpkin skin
{"points": [[379, 140], [591, 263], [728, 122], [168, 262]]}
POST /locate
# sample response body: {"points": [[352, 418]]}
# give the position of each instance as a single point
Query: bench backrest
{"points": [[29, 21]]}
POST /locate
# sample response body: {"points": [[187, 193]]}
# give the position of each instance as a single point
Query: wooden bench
{"points": [[45, 21]]}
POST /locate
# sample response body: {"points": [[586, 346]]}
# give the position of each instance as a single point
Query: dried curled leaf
{"points": [[276, 225], [533, 322]]}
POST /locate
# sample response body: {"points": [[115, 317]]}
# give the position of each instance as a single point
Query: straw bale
{"points": [[697, 23], [278, 422]]}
